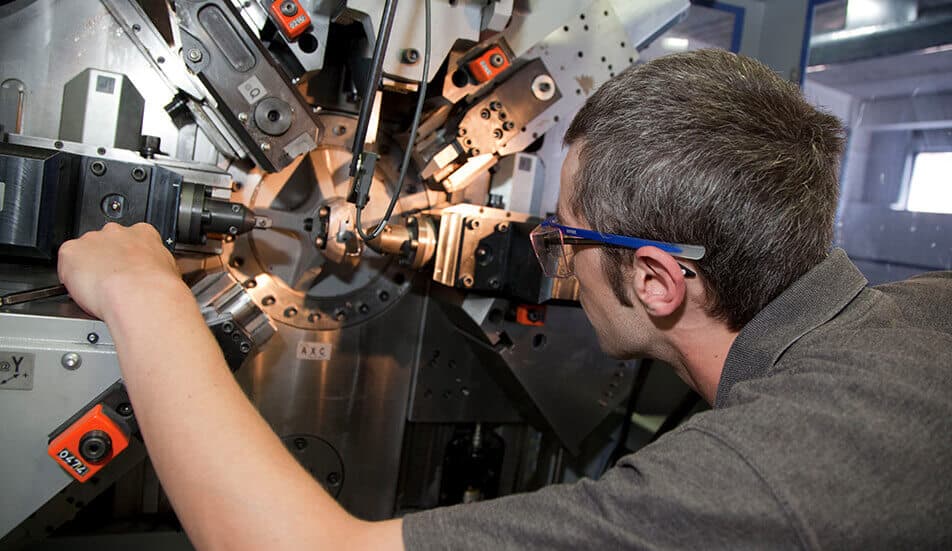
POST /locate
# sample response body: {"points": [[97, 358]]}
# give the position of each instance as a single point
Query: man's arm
{"points": [[229, 478]]}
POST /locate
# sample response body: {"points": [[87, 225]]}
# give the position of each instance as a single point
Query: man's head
{"points": [[705, 148]]}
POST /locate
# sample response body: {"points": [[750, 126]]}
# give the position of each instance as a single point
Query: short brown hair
{"points": [[713, 149]]}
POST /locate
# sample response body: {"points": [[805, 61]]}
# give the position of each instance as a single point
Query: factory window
{"points": [[930, 184]]}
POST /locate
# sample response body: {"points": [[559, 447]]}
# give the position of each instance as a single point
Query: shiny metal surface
{"points": [[48, 42], [355, 399], [29, 477]]}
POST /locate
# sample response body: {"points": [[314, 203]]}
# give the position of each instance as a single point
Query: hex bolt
{"points": [[71, 361], [92, 338], [138, 174], [410, 56], [98, 168], [194, 55]]}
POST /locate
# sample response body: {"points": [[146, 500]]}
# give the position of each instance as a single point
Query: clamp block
{"points": [[290, 17], [489, 64], [87, 445]]}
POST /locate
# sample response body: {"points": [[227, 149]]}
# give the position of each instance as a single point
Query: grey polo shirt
{"points": [[832, 429]]}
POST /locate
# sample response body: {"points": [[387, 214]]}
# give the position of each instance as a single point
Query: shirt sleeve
{"points": [[688, 490]]}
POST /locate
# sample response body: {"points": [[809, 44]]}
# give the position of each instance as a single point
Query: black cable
{"points": [[373, 81], [405, 164]]}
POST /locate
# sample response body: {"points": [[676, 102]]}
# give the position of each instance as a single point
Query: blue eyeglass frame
{"points": [[582, 236]]}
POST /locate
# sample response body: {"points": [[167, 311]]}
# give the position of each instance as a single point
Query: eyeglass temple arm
{"points": [[688, 272]]}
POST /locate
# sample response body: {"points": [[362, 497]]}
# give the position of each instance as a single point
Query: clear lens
{"points": [[547, 244]]}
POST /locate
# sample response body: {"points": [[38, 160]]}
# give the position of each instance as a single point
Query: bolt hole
{"points": [[538, 341], [273, 115], [460, 78], [308, 43], [268, 300], [400, 278]]}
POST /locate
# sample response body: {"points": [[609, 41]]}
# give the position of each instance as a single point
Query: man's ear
{"points": [[659, 282]]}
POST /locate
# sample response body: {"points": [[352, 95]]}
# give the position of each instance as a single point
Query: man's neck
{"points": [[700, 350]]}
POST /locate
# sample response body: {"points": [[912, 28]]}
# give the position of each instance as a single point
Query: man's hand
{"points": [[101, 265]]}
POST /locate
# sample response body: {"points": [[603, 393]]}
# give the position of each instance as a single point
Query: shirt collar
{"points": [[811, 301]]}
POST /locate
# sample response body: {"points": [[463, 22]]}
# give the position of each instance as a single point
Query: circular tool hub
{"points": [[310, 270]]}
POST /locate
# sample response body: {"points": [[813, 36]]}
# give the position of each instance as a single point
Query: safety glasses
{"points": [[549, 240]]}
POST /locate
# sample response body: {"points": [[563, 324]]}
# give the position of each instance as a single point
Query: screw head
{"points": [[71, 361], [98, 168], [115, 205], [138, 174], [289, 8], [265, 147], [410, 56], [124, 409], [243, 117], [92, 338], [496, 60], [194, 55]]}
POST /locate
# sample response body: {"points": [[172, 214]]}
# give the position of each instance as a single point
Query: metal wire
{"points": [[405, 164]]}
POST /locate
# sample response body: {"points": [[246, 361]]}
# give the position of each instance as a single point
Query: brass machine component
{"points": [[414, 242]]}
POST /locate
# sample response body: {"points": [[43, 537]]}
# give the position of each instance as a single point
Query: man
{"points": [[832, 401]]}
